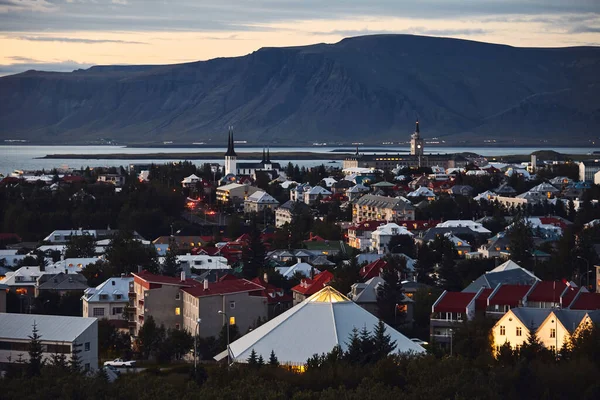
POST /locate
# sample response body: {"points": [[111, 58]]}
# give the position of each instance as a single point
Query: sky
{"points": [[63, 35]]}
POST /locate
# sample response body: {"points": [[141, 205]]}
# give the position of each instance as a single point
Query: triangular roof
{"points": [[315, 326]]}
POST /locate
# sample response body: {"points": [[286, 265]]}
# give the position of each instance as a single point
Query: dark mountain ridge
{"points": [[368, 89]]}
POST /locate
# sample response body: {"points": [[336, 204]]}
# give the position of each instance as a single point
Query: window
{"points": [[231, 320], [502, 330], [117, 310], [98, 312], [178, 296], [86, 346], [118, 296], [177, 326], [519, 331], [553, 349], [232, 305], [87, 366], [177, 310]]}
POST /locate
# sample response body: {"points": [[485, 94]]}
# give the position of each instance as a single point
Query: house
{"points": [[23, 280], [372, 269], [202, 262], [488, 195], [341, 187], [285, 214], [422, 191], [278, 300], [310, 196], [505, 297], [356, 191], [545, 294], [160, 297], [558, 328], [359, 234], [461, 190], [325, 320], [234, 193], [184, 243], [461, 246], [300, 268], [505, 190], [495, 246], [240, 301], [3, 290], [309, 286], [508, 272], [61, 284], [382, 236], [259, 201], [191, 181], [116, 179], [514, 326], [365, 295], [110, 300], [371, 207], [451, 309], [63, 236], [476, 227], [58, 335]]}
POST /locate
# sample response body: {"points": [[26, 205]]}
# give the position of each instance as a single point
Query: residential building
{"points": [[588, 169], [514, 326], [61, 284], [158, 296], [381, 237], [191, 181], [240, 300], [287, 211], [260, 201], [58, 335], [114, 179], [310, 196], [505, 297], [371, 207], [323, 321], [23, 280], [300, 268], [365, 295], [359, 234], [373, 269], [3, 290], [109, 300], [278, 300], [309, 286], [202, 262], [461, 246], [184, 243], [506, 273], [234, 193]]}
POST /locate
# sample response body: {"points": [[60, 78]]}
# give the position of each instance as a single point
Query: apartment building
{"points": [[380, 208], [108, 300]]}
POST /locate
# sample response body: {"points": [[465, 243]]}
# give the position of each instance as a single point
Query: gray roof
{"points": [[456, 231], [369, 293], [531, 317], [64, 281], [510, 277], [321, 260], [55, 328], [384, 202], [293, 205], [570, 319]]}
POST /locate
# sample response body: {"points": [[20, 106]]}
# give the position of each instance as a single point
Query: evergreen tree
{"points": [[171, 266], [253, 359], [273, 361], [59, 360], [254, 253], [35, 362], [75, 361], [533, 348], [353, 353], [260, 361], [367, 346], [382, 342], [148, 338], [391, 293], [505, 355], [520, 241], [81, 246]]}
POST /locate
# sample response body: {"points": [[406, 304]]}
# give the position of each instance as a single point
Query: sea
{"points": [[30, 157]]}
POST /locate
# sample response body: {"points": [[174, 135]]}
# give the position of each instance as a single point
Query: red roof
{"points": [[272, 293], [547, 291], [554, 221], [418, 225], [454, 302], [226, 286], [481, 300], [586, 301], [372, 270], [510, 295], [10, 236], [165, 280], [366, 226], [309, 286], [568, 295], [73, 178]]}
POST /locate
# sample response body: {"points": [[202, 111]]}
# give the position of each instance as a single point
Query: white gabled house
{"points": [[260, 201]]}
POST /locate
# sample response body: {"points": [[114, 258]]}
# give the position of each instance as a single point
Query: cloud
{"points": [[23, 59], [412, 30], [74, 40], [62, 66], [584, 29]]}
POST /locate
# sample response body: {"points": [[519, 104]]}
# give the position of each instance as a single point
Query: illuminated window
{"points": [[21, 291], [231, 320], [502, 330], [519, 331], [177, 310]]}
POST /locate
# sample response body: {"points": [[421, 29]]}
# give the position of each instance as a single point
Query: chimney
{"points": [[66, 271], [122, 275], [312, 272], [139, 269], [182, 276], [206, 284], [266, 277]]}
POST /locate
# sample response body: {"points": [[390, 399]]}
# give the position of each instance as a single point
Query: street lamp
{"points": [[196, 345], [224, 314], [451, 336], [588, 272]]}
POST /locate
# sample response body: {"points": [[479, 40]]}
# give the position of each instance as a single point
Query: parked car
{"points": [[120, 363], [419, 341]]}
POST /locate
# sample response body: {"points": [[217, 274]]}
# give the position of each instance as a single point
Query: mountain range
{"points": [[369, 89]]}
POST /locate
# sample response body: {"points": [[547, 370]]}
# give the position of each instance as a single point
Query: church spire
{"points": [[264, 158], [417, 130], [230, 150], [268, 155]]}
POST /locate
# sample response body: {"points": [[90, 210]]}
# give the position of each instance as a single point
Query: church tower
{"points": [[416, 143], [230, 156]]}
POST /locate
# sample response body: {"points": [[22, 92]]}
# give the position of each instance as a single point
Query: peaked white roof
{"points": [[191, 179], [301, 267], [392, 229], [315, 326], [421, 191], [474, 226], [261, 197], [509, 265], [319, 190], [488, 194], [111, 288]]}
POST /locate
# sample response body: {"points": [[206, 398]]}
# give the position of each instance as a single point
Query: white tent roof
{"points": [[315, 326]]}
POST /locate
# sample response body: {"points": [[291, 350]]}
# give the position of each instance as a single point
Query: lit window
{"points": [[519, 331], [21, 291], [502, 330], [231, 320], [177, 310]]}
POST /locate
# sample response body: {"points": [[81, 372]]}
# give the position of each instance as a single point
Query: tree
{"points": [[390, 295], [35, 362], [125, 253], [345, 275], [253, 359], [382, 342], [273, 361], [402, 244], [181, 342], [148, 339], [75, 361], [533, 348], [353, 353], [81, 246], [171, 266], [254, 257], [520, 238]]}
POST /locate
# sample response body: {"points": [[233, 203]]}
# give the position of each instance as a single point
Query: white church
{"points": [[233, 168]]}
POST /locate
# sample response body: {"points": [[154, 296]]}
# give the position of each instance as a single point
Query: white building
{"points": [[466, 223], [588, 169], [58, 334], [107, 300], [259, 201], [190, 181], [63, 236], [310, 196], [202, 262], [380, 238]]}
